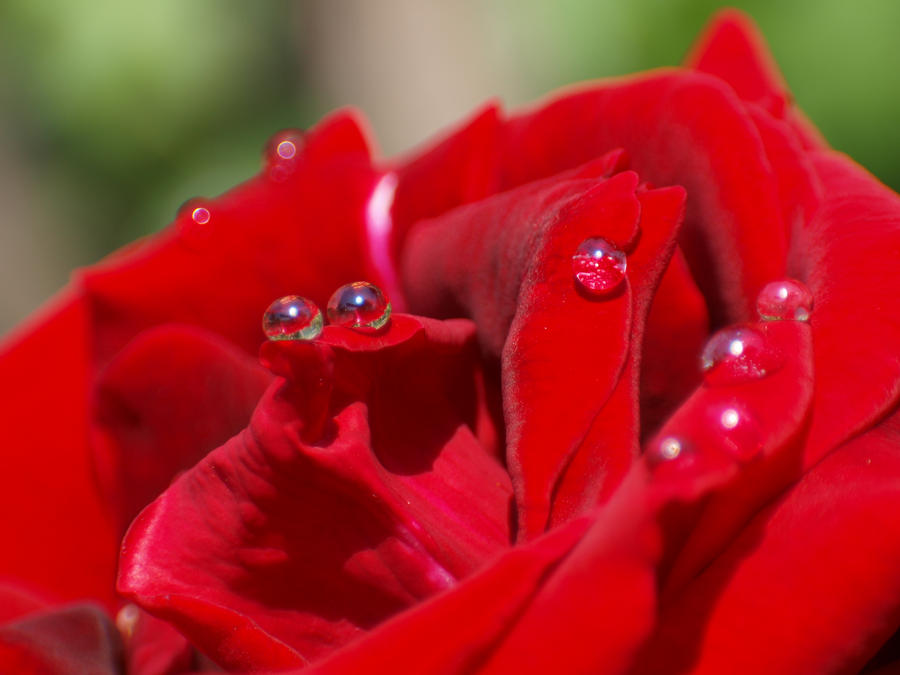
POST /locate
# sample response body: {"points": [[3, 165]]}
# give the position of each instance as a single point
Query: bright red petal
{"points": [[358, 489], [168, 398]]}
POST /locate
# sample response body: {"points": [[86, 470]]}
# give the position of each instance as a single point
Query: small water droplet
{"points": [[360, 306], [195, 221], [292, 318], [282, 151], [740, 431], [785, 299], [737, 354], [667, 450], [599, 266], [126, 620]]}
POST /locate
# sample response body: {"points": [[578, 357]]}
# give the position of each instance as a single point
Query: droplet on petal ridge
{"points": [[784, 299], [360, 306], [281, 152], [740, 432], [599, 266], [292, 318], [195, 220], [737, 354], [667, 450]]}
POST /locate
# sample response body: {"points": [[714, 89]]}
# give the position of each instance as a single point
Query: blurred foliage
{"points": [[124, 109]]}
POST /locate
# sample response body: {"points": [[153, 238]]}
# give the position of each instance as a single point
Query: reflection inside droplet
{"points": [[360, 306]]}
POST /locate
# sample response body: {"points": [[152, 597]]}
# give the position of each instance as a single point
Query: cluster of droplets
{"points": [[735, 355], [360, 306]]}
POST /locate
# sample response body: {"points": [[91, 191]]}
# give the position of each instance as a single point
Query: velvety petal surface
{"points": [[358, 489], [551, 338], [173, 394], [678, 128]]}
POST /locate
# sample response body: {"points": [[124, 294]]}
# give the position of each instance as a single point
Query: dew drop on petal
{"points": [[282, 151], [292, 318], [127, 619], [360, 306], [737, 354], [599, 266], [740, 431], [195, 221], [785, 299]]}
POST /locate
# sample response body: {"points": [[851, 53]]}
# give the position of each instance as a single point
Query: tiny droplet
{"points": [[740, 432], [666, 451], [599, 266], [292, 318], [360, 306], [785, 299], [282, 151], [737, 354], [126, 620]]}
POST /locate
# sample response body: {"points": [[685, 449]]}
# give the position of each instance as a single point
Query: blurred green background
{"points": [[113, 113]]}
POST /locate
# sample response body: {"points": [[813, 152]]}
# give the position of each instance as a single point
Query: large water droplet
{"points": [[740, 432], [360, 306], [785, 299], [292, 318], [737, 354], [599, 266], [282, 151]]}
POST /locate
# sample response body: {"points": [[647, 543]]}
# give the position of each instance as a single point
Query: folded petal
{"points": [[827, 554], [678, 128], [848, 256], [173, 394], [358, 489], [562, 354]]}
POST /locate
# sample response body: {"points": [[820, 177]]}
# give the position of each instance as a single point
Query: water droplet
{"points": [[785, 299], [740, 431], [361, 306], [737, 354], [599, 266], [282, 151], [195, 221], [667, 450], [126, 620], [292, 318]]}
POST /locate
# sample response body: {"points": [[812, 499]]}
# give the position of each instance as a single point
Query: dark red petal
{"points": [[169, 397], [358, 489], [678, 128], [55, 531], [458, 169], [848, 256], [777, 408], [76, 639], [562, 354], [306, 234], [827, 556], [455, 631], [733, 49], [154, 647], [677, 327]]}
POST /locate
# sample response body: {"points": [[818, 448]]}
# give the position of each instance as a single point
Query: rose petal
{"points": [[357, 490], [827, 554], [57, 534], [169, 397], [849, 261], [678, 128], [76, 639], [732, 48], [550, 338], [265, 239]]}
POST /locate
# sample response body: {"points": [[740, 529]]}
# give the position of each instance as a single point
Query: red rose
{"points": [[537, 478]]}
